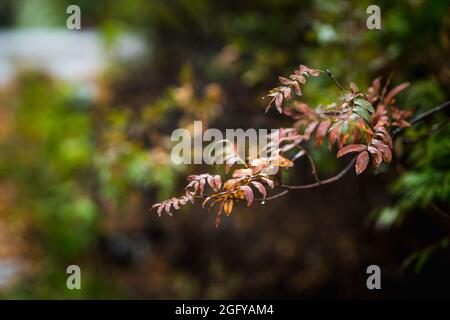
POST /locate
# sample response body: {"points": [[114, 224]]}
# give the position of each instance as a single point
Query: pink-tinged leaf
{"points": [[302, 68], [351, 148], [160, 209], [202, 185], [284, 80], [167, 209], [305, 109], [353, 87], [248, 192], [313, 72], [391, 94], [332, 136], [310, 129], [190, 184], [175, 202], [301, 79], [190, 197], [322, 130], [297, 89], [211, 182], [279, 102], [287, 93], [217, 181], [373, 90], [260, 187], [382, 132], [196, 184], [378, 157], [386, 138], [268, 181], [376, 84], [384, 148], [361, 162]]}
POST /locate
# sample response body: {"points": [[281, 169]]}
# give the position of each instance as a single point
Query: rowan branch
{"points": [[322, 182], [311, 185], [423, 116], [342, 173]]}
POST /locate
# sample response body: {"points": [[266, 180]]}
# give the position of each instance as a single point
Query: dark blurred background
{"points": [[85, 124]]}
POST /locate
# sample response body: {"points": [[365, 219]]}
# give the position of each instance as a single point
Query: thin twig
{"points": [[313, 165], [328, 72], [423, 116], [440, 215], [277, 195], [440, 211], [322, 182]]}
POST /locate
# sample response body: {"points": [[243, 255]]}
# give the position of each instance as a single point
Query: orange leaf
{"points": [[387, 153], [351, 148], [361, 162], [242, 173], [321, 131], [395, 91], [228, 207], [377, 155], [332, 136], [280, 161]]}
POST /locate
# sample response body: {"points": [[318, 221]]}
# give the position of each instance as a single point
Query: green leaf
{"points": [[362, 113], [365, 104], [344, 128]]}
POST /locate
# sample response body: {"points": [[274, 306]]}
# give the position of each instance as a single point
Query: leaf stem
{"points": [[330, 74], [423, 116]]}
